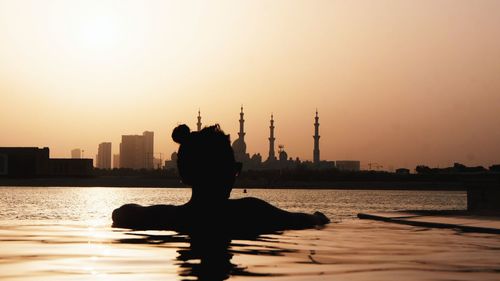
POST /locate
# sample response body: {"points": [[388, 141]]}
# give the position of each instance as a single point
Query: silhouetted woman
{"points": [[206, 162]]}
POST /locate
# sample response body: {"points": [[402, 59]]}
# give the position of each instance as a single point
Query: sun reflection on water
{"points": [[66, 234]]}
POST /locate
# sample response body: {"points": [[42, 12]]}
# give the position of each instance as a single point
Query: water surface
{"points": [[65, 234]]}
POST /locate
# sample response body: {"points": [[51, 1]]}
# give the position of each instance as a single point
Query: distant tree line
{"points": [[457, 168], [303, 173]]}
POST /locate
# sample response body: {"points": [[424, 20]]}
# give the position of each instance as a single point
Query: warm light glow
{"points": [[398, 83], [99, 33]]}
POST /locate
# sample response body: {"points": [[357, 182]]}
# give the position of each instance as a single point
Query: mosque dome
{"points": [[173, 156], [239, 146], [283, 155]]}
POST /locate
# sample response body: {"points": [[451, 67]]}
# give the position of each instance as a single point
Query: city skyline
{"points": [[397, 83], [240, 148], [365, 164]]}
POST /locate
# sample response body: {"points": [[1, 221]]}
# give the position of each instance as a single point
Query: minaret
{"points": [[241, 134], [316, 139], [272, 155], [199, 121]]}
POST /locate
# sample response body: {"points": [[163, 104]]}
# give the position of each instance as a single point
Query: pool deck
{"points": [[483, 222]]}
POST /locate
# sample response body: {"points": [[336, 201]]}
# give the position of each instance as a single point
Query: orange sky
{"points": [[396, 82]]}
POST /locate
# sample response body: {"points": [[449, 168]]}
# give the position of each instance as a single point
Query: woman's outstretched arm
{"points": [[265, 216]]}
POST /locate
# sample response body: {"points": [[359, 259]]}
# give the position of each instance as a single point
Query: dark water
{"points": [[65, 234]]}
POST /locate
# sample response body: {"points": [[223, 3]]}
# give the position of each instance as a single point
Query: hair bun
{"points": [[181, 133]]}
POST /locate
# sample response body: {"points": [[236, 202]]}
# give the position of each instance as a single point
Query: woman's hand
{"points": [[321, 218]]}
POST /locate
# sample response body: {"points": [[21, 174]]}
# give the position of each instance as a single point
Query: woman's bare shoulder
{"points": [[250, 201], [137, 216], [254, 205]]}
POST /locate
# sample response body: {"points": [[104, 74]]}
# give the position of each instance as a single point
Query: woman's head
{"points": [[205, 160]]}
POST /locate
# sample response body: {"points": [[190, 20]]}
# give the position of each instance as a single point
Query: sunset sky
{"points": [[398, 83]]}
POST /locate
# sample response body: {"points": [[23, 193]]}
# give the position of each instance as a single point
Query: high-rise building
{"points": [[148, 149], [272, 154], [76, 153], [316, 159], [137, 152], [104, 156], [116, 161], [130, 147]]}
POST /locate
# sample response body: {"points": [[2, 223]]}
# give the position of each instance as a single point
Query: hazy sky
{"points": [[396, 82]]}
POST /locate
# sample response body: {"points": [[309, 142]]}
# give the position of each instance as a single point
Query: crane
{"points": [[376, 166]]}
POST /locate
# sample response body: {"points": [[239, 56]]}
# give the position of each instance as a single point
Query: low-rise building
{"points": [[403, 171], [35, 162], [348, 165]]}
